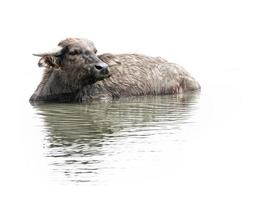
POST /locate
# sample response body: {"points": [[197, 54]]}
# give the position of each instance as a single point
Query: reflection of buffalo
{"points": [[74, 70], [79, 135]]}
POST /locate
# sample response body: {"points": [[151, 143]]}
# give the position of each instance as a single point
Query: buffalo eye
{"points": [[74, 52]]}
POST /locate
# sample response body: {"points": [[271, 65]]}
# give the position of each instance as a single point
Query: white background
{"points": [[207, 37]]}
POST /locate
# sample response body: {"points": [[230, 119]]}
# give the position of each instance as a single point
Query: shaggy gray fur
{"points": [[131, 75]]}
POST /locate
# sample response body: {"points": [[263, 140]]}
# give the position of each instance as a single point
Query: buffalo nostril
{"points": [[99, 67]]}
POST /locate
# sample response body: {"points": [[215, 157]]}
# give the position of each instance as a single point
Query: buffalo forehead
{"points": [[78, 42]]}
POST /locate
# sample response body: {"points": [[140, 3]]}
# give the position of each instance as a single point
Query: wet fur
{"points": [[137, 75], [65, 80]]}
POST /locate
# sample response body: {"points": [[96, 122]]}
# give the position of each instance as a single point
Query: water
{"points": [[93, 142], [219, 141]]}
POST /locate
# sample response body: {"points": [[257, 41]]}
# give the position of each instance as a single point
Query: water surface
{"points": [[205, 144], [94, 142]]}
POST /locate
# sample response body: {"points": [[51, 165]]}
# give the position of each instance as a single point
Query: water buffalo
{"points": [[73, 73]]}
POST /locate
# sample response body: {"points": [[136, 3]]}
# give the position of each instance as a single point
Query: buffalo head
{"points": [[77, 61]]}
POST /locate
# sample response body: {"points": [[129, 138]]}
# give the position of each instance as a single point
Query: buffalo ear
{"points": [[49, 62], [50, 59]]}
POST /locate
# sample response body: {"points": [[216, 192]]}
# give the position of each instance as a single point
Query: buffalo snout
{"points": [[100, 70], [103, 68]]}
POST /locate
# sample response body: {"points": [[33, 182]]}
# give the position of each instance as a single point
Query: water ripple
{"points": [[80, 139]]}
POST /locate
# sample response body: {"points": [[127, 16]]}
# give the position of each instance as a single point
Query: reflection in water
{"points": [[81, 137]]}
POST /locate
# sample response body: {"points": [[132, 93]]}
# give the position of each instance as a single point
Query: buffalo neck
{"points": [[55, 87]]}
